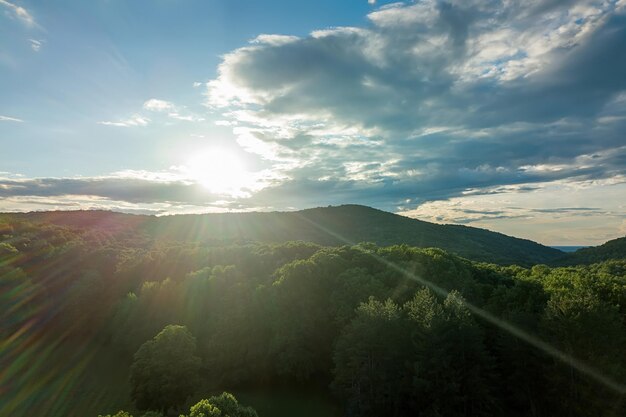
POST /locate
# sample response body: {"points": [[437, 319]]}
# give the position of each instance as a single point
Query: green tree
{"points": [[520, 365], [165, 370], [224, 405], [304, 327], [579, 324], [452, 370], [370, 356]]}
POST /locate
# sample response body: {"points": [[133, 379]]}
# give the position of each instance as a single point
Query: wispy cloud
{"points": [[159, 109], [548, 212], [172, 110], [19, 12], [35, 44], [87, 202], [133, 121], [10, 119]]}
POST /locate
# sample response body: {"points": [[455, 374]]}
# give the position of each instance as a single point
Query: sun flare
{"points": [[218, 170]]}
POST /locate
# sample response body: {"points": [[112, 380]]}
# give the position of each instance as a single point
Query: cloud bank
{"points": [[434, 98]]}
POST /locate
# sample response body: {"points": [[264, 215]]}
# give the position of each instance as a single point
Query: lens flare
{"points": [[532, 340]]}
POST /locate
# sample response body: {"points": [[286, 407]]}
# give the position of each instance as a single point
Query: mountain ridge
{"points": [[613, 249], [332, 226]]}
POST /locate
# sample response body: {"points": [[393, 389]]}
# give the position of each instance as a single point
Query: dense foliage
{"points": [[165, 370], [224, 405], [384, 339]]}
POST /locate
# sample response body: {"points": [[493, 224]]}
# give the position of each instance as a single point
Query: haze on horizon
{"points": [[503, 115]]}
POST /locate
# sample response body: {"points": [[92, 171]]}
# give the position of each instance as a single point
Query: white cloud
{"points": [[399, 14], [158, 105], [557, 213], [274, 39], [249, 141], [173, 111], [135, 120], [183, 185], [35, 44], [10, 119], [185, 117], [89, 202], [159, 176], [19, 12]]}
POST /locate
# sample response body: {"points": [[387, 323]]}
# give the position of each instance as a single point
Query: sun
{"points": [[218, 170]]}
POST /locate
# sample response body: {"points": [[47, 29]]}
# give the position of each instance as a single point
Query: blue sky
{"points": [[502, 115], [101, 59]]}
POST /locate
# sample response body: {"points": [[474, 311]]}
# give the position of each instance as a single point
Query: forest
{"points": [[101, 319]]}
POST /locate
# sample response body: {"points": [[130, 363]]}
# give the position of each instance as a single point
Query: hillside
{"points": [[347, 224], [289, 327], [611, 250]]}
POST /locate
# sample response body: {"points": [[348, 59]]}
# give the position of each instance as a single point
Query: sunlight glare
{"points": [[218, 170]]}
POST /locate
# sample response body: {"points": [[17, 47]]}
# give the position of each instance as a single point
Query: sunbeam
{"points": [[532, 340]]}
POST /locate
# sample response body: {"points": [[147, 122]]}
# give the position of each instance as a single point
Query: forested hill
{"points": [[612, 250], [105, 318], [347, 224]]}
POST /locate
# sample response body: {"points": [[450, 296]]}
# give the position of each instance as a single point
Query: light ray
{"points": [[532, 340]]}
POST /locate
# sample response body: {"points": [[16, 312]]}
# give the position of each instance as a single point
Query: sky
{"points": [[504, 115]]}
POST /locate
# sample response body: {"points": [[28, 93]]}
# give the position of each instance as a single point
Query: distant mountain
{"points": [[347, 224], [613, 249], [569, 249]]}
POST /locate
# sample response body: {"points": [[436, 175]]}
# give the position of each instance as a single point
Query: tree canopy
{"points": [[165, 370], [361, 319], [223, 405]]}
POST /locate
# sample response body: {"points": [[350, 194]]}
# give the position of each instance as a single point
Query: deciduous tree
{"points": [[165, 370]]}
